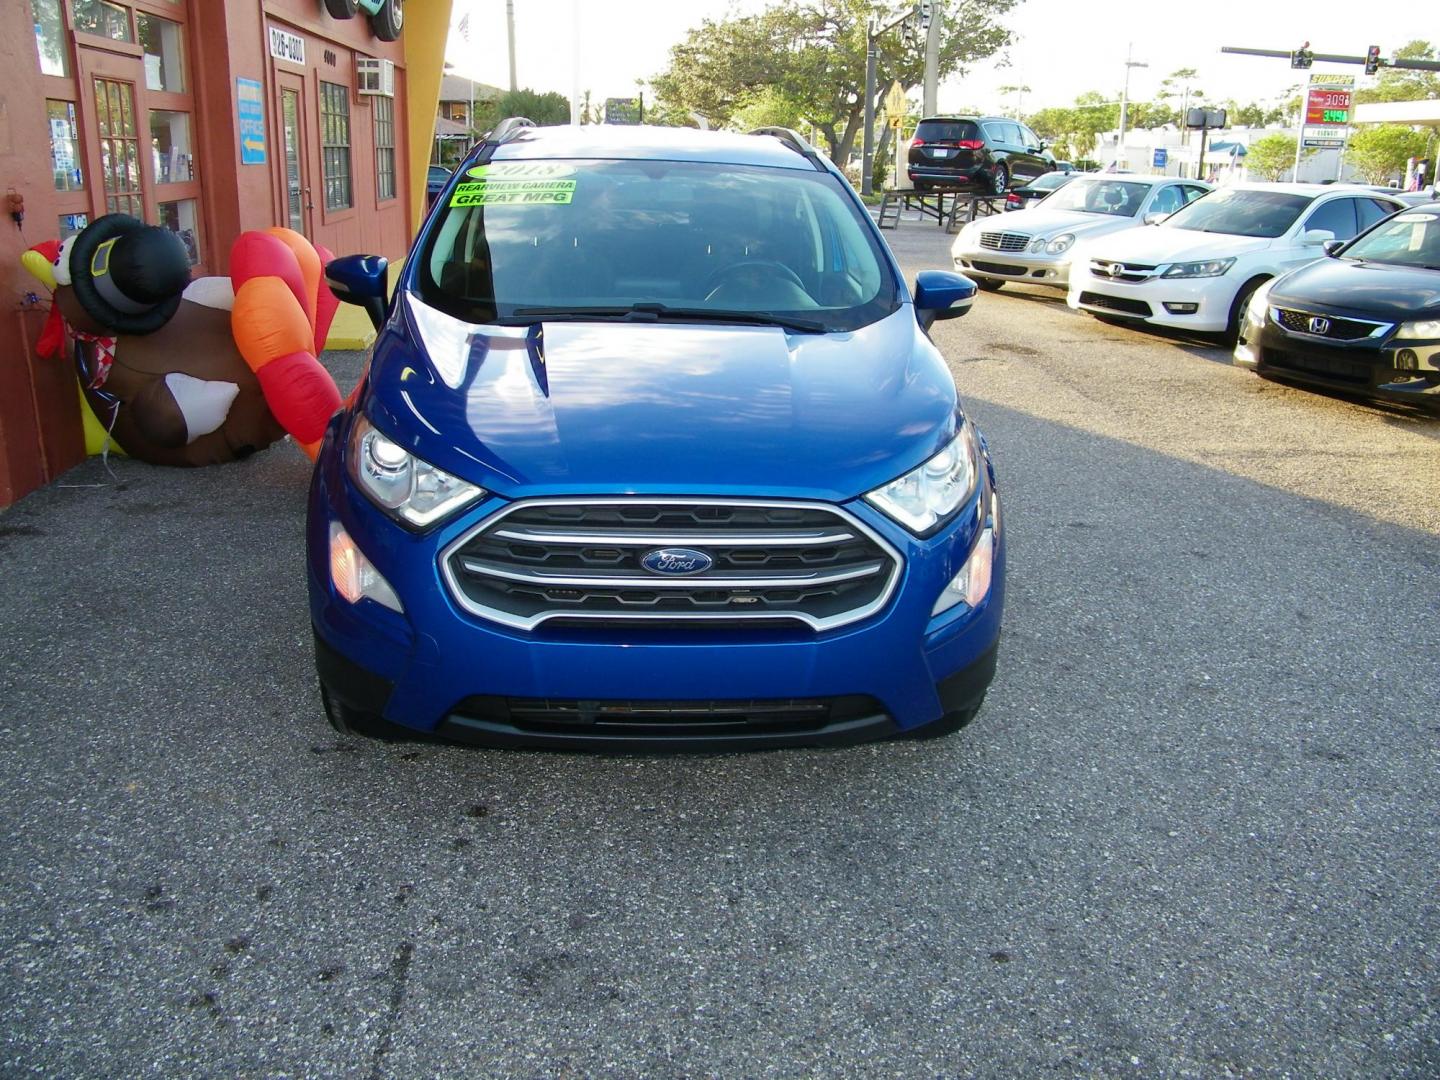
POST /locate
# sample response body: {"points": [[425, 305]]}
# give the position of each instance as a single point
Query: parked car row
{"points": [[1248, 262]]}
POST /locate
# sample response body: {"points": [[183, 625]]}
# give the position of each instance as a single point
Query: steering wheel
{"points": [[759, 266]]}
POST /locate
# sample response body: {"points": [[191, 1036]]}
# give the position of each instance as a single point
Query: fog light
{"points": [[972, 584], [354, 576], [1182, 309], [1407, 360]]}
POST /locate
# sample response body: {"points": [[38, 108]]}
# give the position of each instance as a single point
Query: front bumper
{"points": [[1201, 305], [1036, 269], [1376, 368], [439, 669]]}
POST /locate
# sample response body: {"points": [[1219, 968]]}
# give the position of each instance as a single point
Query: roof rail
{"points": [[507, 130], [795, 141]]}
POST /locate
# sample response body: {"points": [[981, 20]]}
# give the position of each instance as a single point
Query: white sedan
{"points": [[1035, 246], [1196, 271]]}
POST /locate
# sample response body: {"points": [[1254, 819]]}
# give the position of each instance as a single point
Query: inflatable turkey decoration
{"points": [[182, 372]]}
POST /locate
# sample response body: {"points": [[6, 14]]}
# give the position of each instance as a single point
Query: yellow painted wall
{"points": [[427, 23]]}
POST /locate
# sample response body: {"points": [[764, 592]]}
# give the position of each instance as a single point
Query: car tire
{"points": [[367, 725], [948, 724], [387, 23], [988, 284], [1237, 309], [999, 180], [340, 9]]}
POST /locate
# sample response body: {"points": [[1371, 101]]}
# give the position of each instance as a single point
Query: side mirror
{"points": [[360, 279], [1315, 237], [940, 294], [1154, 218], [1332, 246]]}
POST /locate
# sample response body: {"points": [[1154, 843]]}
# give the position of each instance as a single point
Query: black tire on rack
{"points": [[386, 23], [340, 9]]}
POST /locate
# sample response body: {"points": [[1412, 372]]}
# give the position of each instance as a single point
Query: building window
{"points": [[50, 37], [119, 147], [64, 146], [335, 145], [384, 147], [103, 19], [160, 38], [170, 146], [179, 218]]}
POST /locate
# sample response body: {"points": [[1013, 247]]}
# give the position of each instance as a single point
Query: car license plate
{"points": [[943, 153]]}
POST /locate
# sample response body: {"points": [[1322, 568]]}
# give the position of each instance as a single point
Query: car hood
{"points": [[1050, 223], [603, 407], [1159, 245], [1385, 291]]}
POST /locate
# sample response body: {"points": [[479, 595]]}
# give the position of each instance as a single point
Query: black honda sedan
{"points": [[1365, 320]]}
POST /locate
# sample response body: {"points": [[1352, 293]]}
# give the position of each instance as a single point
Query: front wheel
{"points": [[999, 180], [386, 23], [1237, 310]]}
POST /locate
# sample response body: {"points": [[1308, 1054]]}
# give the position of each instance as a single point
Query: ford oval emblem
{"points": [[676, 561]]}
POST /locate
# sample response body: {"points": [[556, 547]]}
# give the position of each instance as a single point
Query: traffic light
{"points": [[926, 8], [1302, 57], [1372, 59]]}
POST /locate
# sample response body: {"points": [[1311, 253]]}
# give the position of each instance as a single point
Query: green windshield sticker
{"points": [[516, 182]]}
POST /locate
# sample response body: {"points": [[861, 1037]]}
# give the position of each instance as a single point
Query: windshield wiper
{"points": [[648, 312]]}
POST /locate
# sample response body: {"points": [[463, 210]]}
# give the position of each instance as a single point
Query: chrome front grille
{"points": [[1327, 326], [1004, 241], [543, 560], [1121, 271]]}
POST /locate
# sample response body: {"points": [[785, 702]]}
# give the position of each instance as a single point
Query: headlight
{"points": [[1259, 301], [1424, 328], [1061, 243], [406, 487], [925, 497], [1208, 268], [1037, 245]]}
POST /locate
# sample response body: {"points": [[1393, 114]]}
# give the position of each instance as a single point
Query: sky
{"points": [[1062, 47]]}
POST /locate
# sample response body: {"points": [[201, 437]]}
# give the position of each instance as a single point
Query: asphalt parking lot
{"points": [[1193, 833]]}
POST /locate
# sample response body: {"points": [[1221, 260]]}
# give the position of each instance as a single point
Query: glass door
{"points": [[119, 147], [297, 191]]}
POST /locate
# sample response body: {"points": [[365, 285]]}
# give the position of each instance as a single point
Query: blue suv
{"points": [[653, 449]]}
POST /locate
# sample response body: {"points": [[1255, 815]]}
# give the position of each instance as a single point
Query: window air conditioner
{"points": [[374, 76]]}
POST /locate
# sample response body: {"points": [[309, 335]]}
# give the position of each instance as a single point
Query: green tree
{"points": [[1379, 153], [1270, 157], [811, 55], [545, 109], [1398, 84]]}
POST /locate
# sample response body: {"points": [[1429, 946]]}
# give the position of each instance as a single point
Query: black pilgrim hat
{"points": [[128, 276]]}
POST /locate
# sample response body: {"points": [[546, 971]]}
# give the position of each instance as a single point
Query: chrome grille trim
{"points": [[650, 581], [612, 587], [1291, 320], [796, 538], [1004, 241]]}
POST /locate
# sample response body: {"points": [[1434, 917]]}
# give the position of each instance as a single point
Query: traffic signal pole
{"points": [[1338, 58]]}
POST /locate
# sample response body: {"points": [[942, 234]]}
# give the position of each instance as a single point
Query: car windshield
{"points": [[1096, 195], [1409, 239], [1049, 181], [520, 241], [1240, 213]]}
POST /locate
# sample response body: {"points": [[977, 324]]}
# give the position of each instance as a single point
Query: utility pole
{"points": [[510, 31], [868, 144], [1125, 103], [932, 61]]}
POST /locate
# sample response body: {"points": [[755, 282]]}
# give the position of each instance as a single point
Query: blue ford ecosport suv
{"points": [[653, 449]]}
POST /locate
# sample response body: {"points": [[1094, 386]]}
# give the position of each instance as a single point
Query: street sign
{"points": [[1322, 144], [1161, 158], [895, 103]]}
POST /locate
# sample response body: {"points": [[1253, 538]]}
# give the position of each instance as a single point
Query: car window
{"points": [[1240, 212], [1192, 192], [1336, 216], [1097, 195], [1167, 200], [997, 133], [584, 233], [946, 130], [1372, 210], [1409, 239], [1028, 137]]}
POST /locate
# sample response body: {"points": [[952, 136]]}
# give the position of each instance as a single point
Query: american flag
{"points": [[464, 26]]}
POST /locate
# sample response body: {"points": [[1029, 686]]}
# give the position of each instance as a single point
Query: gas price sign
{"points": [[1328, 101]]}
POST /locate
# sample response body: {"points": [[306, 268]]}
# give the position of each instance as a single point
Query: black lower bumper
{"points": [[648, 725]]}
